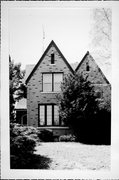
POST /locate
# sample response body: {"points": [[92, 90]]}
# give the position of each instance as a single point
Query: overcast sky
{"points": [[69, 28]]}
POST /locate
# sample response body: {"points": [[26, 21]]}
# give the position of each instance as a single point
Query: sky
{"points": [[69, 28]]}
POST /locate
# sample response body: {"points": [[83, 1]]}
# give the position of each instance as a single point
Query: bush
{"points": [[67, 138], [27, 131], [96, 130], [46, 135], [22, 146]]}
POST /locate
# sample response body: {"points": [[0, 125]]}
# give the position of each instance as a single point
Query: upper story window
{"points": [[47, 82], [52, 82], [58, 77], [52, 58], [87, 67]]}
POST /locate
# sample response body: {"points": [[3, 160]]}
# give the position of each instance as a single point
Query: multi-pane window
{"points": [[42, 115], [57, 81], [56, 115], [52, 81], [49, 115], [47, 82]]}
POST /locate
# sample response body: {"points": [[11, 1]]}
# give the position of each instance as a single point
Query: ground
{"points": [[71, 155]]}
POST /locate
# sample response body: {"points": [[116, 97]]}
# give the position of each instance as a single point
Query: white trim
{"points": [[52, 127], [52, 92], [52, 64]]}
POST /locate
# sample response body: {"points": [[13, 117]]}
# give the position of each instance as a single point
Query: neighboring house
{"points": [[21, 111], [88, 68], [43, 85]]}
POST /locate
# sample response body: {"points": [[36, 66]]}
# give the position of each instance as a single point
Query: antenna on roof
{"points": [[43, 37]]}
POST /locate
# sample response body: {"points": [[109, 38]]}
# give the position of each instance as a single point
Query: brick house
{"points": [[43, 84], [89, 68]]}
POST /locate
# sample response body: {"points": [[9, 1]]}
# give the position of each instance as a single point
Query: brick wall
{"points": [[35, 95], [93, 74]]}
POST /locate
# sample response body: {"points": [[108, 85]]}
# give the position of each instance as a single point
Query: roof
{"points": [[28, 69], [88, 54], [21, 104], [47, 49]]}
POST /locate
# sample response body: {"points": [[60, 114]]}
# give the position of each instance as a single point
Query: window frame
{"points": [[52, 58], [45, 116], [52, 73], [87, 67], [43, 83]]}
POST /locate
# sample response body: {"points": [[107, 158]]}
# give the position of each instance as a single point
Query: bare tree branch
{"points": [[107, 17]]}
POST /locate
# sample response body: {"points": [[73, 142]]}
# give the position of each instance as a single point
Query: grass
{"points": [[68, 155]]}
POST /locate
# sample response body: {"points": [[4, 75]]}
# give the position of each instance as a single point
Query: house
{"points": [[21, 111], [89, 69], [43, 85]]}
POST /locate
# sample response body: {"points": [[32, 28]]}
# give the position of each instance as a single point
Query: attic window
{"points": [[87, 67], [52, 58]]}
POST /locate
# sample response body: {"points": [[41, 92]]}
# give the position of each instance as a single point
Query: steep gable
{"points": [[53, 48], [88, 67]]}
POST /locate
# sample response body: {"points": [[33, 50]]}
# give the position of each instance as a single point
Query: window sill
{"points": [[53, 92], [52, 64], [53, 127]]}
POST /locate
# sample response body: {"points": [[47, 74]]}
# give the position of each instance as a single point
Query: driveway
{"points": [[66, 155]]}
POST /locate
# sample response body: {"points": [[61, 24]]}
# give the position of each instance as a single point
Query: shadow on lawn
{"points": [[33, 161]]}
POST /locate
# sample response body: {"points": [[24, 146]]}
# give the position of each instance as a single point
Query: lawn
{"points": [[71, 155]]}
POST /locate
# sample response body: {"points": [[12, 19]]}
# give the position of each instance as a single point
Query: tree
{"points": [[77, 102], [102, 31], [17, 88], [80, 108], [101, 38]]}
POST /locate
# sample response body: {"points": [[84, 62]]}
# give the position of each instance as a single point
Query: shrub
{"points": [[27, 131], [22, 146], [46, 135], [67, 138]]}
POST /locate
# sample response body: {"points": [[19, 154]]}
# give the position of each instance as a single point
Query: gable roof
{"points": [[88, 54], [52, 43], [28, 69]]}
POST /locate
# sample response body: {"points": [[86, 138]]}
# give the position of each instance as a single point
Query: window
{"points": [[56, 115], [42, 115], [57, 81], [52, 59], [52, 81], [47, 82], [49, 115], [87, 67]]}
